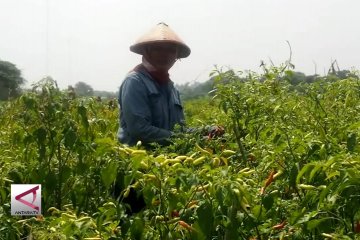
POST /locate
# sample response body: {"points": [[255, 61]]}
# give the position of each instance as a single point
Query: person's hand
{"points": [[215, 131]]}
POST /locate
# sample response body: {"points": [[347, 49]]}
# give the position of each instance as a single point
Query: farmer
{"points": [[150, 105]]}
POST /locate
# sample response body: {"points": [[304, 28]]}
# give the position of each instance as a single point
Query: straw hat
{"points": [[160, 33]]}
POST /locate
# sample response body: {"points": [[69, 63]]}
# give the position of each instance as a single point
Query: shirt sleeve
{"points": [[137, 114]]}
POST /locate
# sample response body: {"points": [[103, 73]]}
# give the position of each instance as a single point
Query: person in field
{"points": [[149, 103]]}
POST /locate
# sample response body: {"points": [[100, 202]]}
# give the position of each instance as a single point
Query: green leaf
{"points": [[108, 174], [324, 193], [224, 107], [313, 148], [259, 212], [293, 175], [136, 161], [296, 216], [3, 195], [73, 198], [173, 200], [206, 219], [37, 175], [198, 234], [276, 108], [314, 171], [276, 138], [104, 146], [351, 142], [82, 112], [332, 174], [137, 228], [16, 176], [51, 181], [40, 135], [65, 173], [268, 201], [30, 103], [308, 167], [316, 223], [70, 138]]}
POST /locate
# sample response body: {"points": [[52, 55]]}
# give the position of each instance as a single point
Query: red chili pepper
{"points": [[279, 226], [185, 225], [357, 227], [175, 213], [269, 180]]}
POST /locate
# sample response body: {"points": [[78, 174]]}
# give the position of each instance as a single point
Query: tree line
{"points": [[11, 82], [198, 90]]}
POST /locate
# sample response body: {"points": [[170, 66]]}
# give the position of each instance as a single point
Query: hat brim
{"points": [[183, 50]]}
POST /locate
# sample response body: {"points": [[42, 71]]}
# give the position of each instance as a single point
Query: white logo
{"points": [[25, 199]]}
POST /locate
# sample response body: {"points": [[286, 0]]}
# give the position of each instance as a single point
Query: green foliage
{"points": [[195, 90], [287, 166], [10, 80], [83, 89]]}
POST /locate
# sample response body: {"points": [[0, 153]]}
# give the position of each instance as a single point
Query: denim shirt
{"points": [[148, 111]]}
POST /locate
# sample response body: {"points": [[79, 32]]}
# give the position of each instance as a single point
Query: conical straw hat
{"points": [[161, 33]]}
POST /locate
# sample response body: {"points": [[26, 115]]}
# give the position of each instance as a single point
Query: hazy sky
{"points": [[88, 40]]}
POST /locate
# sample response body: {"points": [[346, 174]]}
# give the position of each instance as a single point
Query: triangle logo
{"points": [[29, 204]]}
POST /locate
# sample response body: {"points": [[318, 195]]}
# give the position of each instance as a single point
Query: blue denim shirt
{"points": [[148, 111]]}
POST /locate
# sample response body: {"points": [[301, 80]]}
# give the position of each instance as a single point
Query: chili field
{"points": [[287, 167]]}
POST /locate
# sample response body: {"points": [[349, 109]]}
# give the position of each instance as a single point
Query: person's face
{"points": [[161, 55]]}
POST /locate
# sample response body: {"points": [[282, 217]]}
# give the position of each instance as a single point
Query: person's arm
{"points": [[137, 114]]}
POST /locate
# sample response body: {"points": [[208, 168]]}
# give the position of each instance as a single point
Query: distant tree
{"points": [[343, 74], [296, 77], [105, 94], [10, 80], [195, 90], [83, 89], [335, 73], [312, 78]]}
